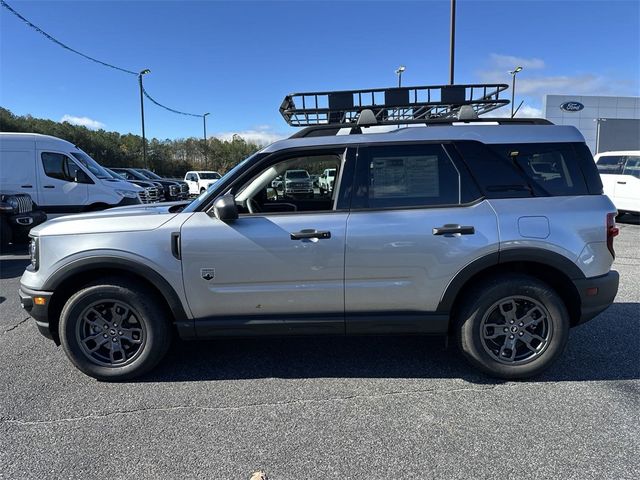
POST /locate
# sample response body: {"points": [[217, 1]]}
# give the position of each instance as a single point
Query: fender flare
{"points": [[524, 254], [181, 320]]}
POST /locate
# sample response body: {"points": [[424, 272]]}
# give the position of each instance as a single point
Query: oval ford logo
{"points": [[571, 106]]}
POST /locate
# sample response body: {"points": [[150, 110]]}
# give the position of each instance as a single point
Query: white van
{"points": [[59, 177], [620, 174]]}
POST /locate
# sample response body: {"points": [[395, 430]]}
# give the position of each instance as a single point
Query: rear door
{"points": [[416, 220], [610, 169], [628, 185]]}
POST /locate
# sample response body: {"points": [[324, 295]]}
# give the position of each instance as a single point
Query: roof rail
{"points": [[329, 130], [391, 106]]}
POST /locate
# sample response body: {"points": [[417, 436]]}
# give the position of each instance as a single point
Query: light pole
{"points": [[452, 41], [204, 126], [399, 72], [513, 73], [144, 140]]}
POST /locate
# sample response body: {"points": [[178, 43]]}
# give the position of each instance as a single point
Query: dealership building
{"points": [[607, 123]]}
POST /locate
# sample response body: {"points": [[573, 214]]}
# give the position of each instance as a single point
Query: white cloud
{"points": [[536, 83], [509, 62], [83, 122], [525, 111], [261, 135]]}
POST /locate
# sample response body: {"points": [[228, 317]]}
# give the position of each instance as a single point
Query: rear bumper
{"points": [[40, 313], [596, 294]]}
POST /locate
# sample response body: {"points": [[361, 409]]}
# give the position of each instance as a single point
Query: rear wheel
{"points": [[114, 331], [513, 326], [202, 190]]}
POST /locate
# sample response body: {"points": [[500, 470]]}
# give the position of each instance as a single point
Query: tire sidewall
{"points": [[155, 332], [485, 298]]}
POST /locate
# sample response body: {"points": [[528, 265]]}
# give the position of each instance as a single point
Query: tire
{"points": [[5, 233], [141, 338], [202, 190], [534, 347]]}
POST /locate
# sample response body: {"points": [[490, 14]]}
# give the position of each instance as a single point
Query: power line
{"points": [[58, 42], [66, 47], [167, 108]]}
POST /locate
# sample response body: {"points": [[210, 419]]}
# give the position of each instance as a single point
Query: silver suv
{"points": [[496, 233]]}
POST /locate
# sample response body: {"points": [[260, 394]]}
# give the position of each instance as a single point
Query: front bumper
{"points": [[596, 294], [38, 311], [21, 223]]}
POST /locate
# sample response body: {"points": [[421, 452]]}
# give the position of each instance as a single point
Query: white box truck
{"points": [[58, 176]]}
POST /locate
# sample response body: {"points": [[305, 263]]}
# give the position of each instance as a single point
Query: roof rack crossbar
{"points": [[391, 106]]}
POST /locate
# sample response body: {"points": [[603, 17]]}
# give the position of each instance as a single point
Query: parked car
{"points": [[152, 192], [297, 183], [184, 187], [17, 217], [58, 176], [172, 189], [326, 180], [496, 233], [199, 181], [620, 173]]}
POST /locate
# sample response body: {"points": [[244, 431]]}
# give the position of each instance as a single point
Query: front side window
{"points": [[407, 176], [208, 176], [287, 186], [57, 165], [611, 164], [632, 166]]}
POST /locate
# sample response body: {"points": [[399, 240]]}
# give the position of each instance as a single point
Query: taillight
{"points": [[612, 231]]}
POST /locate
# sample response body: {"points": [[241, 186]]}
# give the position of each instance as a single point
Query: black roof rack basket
{"points": [[390, 106]]}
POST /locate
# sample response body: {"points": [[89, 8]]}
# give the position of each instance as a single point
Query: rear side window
{"points": [[57, 165], [550, 168], [611, 164], [632, 167], [406, 176]]}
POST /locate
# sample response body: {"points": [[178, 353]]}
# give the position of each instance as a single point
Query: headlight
{"points": [[9, 204], [127, 193], [34, 252], [174, 189]]}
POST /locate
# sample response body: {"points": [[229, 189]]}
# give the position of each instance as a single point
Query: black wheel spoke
{"points": [[110, 333], [525, 333]]}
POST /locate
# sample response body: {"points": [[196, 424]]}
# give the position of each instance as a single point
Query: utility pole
{"points": [[144, 140], [452, 41], [204, 127]]}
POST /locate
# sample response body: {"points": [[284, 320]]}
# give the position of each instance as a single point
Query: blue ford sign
{"points": [[571, 106]]}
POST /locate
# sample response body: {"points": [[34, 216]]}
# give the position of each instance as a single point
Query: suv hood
{"points": [[120, 219]]}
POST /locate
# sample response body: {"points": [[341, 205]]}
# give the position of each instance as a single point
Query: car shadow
{"points": [[602, 349], [629, 218], [12, 268]]}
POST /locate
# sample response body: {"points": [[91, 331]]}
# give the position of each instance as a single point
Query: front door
{"points": [[278, 268], [59, 190]]}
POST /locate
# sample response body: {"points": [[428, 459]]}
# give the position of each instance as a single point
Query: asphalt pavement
{"points": [[325, 408]]}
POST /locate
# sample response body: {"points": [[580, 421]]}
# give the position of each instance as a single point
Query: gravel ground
{"points": [[326, 408]]}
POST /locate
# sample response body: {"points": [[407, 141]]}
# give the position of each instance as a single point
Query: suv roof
{"points": [[482, 132]]}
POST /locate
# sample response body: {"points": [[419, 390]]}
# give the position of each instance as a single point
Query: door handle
{"points": [[49, 186], [26, 186], [622, 183], [310, 233], [452, 228]]}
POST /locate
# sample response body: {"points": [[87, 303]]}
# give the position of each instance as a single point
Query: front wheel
{"points": [[513, 326], [115, 330]]}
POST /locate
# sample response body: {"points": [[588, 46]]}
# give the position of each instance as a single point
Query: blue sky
{"points": [[238, 59]]}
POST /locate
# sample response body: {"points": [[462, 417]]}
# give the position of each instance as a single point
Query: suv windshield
{"points": [[209, 175], [297, 174], [93, 166]]}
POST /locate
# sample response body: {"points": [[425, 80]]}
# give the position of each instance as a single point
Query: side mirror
{"points": [[225, 208], [82, 177]]}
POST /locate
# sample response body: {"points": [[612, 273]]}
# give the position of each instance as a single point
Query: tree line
{"points": [[171, 158]]}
